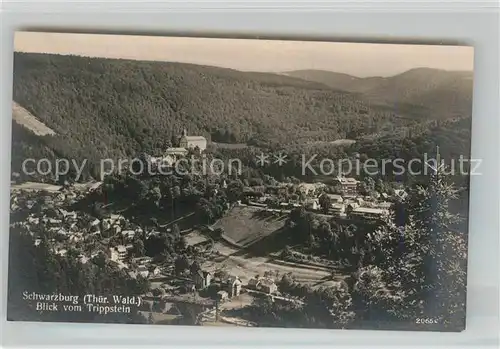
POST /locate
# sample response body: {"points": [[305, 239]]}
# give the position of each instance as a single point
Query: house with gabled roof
{"points": [[191, 142], [202, 279]]}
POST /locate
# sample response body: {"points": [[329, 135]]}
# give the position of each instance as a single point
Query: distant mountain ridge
{"points": [[427, 90]]}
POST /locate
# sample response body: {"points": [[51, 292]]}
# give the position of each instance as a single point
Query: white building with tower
{"points": [[191, 142]]}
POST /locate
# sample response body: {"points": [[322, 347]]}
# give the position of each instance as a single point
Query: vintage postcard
{"points": [[239, 182]]}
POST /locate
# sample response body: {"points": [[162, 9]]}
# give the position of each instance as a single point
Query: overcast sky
{"points": [[254, 55]]}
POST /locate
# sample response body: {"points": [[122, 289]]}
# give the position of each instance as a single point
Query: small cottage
{"points": [[202, 279]]}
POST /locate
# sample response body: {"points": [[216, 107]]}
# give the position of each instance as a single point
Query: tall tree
{"points": [[418, 269], [325, 202], [443, 240]]}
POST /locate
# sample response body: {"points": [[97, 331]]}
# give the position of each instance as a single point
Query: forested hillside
{"points": [[422, 92], [107, 108], [120, 107]]}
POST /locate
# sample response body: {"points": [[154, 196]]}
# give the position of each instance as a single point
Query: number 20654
{"points": [[426, 321]]}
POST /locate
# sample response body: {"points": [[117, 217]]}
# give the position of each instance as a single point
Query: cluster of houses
{"points": [[65, 229], [114, 225], [228, 287], [61, 231], [231, 286], [352, 206], [28, 200], [60, 226], [144, 268], [347, 203], [263, 284], [70, 229]]}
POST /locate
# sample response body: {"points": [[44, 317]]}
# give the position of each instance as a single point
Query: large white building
{"points": [[349, 186], [190, 142], [122, 252]]}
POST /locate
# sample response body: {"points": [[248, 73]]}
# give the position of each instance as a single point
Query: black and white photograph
{"points": [[239, 182]]}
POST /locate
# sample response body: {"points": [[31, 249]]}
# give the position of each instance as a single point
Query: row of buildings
{"points": [[347, 202], [353, 206]]}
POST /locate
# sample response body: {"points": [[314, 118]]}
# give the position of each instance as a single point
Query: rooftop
{"points": [[266, 282], [347, 180], [336, 197], [370, 210], [233, 279], [175, 150], [195, 138], [384, 205]]}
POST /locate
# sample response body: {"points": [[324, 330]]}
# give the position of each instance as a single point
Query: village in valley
{"points": [[219, 268], [280, 189]]}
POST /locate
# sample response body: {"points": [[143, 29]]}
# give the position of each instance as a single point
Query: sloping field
{"points": [[29, 121], [244, 225]]}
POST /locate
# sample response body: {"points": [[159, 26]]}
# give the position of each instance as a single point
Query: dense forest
{"points": [[107, 108], [122, 106]]}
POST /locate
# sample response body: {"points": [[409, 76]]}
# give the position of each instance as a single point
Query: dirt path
{"points": [[35, 186], [38, 186]]}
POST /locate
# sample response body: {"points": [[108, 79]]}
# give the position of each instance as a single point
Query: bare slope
{"points": [[29, 121]]}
